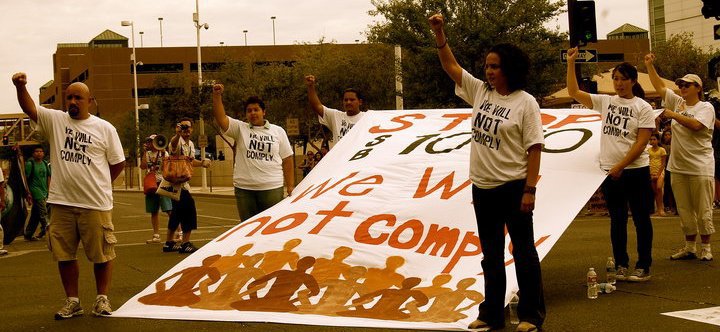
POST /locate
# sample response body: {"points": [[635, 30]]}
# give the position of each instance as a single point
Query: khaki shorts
{"points": [[71, 225]]}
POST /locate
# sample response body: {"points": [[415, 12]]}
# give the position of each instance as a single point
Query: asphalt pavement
{"points": [[32, 293]]}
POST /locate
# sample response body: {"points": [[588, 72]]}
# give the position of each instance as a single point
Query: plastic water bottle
{"points": [[610, 271], [592, 284], [513, 309], [606, 288]]}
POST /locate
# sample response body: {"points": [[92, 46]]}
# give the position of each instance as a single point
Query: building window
{"points": [[155, 68], [286, 63], [207, 66], [149, 92], [49, 101], [81, 78]]}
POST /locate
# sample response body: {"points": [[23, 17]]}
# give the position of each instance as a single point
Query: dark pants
{"points": [[38, 215], [496, 209], [632, 188], [183, 213]]}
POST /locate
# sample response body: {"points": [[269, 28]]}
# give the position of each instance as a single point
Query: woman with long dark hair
{"points": [[627, 123], [504, 175]]}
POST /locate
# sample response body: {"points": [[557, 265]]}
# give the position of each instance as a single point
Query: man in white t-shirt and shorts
{"points": [[263, 156], [87, 156], [339, 122]]}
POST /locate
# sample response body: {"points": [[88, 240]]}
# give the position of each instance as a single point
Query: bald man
{"points": [[87, 156]]}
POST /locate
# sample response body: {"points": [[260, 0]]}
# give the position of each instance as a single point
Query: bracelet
{"points": [[529, 190], [443, 45]]}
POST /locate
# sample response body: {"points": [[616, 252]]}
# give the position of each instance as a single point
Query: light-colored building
{"points": [[671, 17]]}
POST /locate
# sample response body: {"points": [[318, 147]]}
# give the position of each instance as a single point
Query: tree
{"points": [[673, 64], [279, 83], [472, 27]]}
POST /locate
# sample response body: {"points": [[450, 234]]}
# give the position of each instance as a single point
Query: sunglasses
{"points": [[685, 84]]}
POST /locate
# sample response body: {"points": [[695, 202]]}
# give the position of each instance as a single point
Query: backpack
{"points": [[32, 170]]}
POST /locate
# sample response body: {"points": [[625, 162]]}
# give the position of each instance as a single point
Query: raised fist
{"points": [[310, 80], [218, 88], [436, 22], [19, 79], [649, 59]]}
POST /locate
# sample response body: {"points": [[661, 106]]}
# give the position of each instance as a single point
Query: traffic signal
{"points": [[588, 85], [713, 67], [710, 8], [5, 140], [583, 30]]}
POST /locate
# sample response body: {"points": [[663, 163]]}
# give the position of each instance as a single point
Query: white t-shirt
{"points": [[621, 120], [80, 153], [259, 151], [692, 151], [503, 129], [338, 122]]}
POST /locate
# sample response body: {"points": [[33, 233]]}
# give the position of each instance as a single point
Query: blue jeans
{"points": [[38, 215], [633, 189], [496, 209], [252, 202]]}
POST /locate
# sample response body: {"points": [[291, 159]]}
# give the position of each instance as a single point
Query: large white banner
{"points": [[381, 233]]}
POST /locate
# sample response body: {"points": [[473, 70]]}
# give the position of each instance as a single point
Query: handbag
{"points": [[177, 168], [150, 183]]}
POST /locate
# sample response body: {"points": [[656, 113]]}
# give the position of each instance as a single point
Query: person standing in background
{"points": [[37, 173]]}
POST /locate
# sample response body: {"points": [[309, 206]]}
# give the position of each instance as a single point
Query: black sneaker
{"points": [[171, 246], [187, 248]]}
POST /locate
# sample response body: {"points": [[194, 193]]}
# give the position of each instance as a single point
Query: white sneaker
{"points": [[705, 255], [102, 307], [3, 251], [69, 310], [622, 273], [639, 275], [155, 239], [684, 254]]}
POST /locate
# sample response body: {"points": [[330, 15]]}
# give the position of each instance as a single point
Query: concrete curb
{"points": [[196, 192]]}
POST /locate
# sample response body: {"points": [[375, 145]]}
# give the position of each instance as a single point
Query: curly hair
{"points": [[514, 63]]}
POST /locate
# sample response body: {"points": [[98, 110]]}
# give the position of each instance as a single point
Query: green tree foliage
{"points": [[678, 56], [366, 67], [472, 27]]}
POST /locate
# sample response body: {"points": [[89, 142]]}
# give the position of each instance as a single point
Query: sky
{"points": [[33, 28]]}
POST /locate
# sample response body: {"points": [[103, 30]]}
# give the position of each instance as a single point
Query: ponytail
{"points": [[638, 90], [630, 72]]}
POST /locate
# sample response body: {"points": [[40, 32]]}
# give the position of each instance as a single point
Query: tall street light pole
{"points": [[141, 38], [137, 106], [245, 32], [160, 19], [273, 21], [198, 25]]}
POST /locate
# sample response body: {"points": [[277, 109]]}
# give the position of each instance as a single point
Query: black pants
{"points": [[634, 189], [496, 209], [183, 213]]}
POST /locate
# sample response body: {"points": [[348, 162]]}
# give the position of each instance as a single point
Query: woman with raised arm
{"points": [[504, 165], [627, 123], [691, 163]]}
